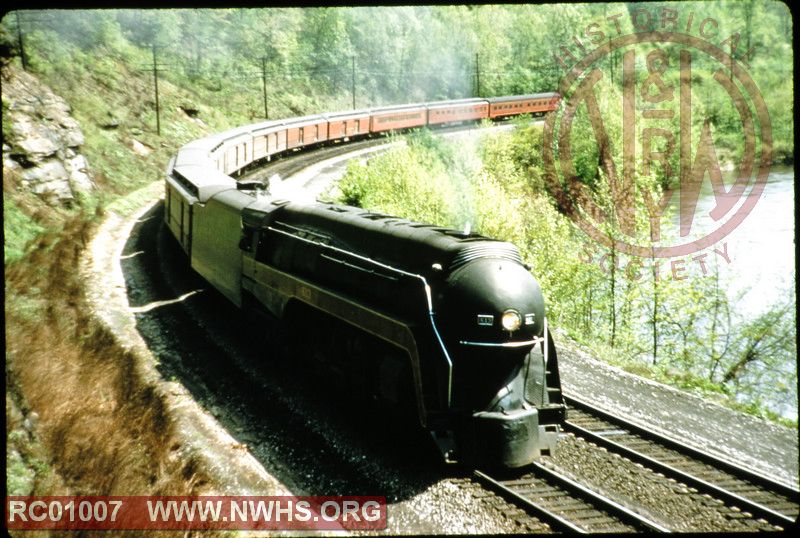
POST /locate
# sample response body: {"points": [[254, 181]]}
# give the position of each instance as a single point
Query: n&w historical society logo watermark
{"points": [[671, 80]]}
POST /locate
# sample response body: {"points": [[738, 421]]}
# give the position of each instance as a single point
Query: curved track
{"points": [[755, 495], [567, 506]]}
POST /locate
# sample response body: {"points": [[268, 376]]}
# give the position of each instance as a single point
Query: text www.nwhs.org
{"points": [[217, 512], [264, 511]]}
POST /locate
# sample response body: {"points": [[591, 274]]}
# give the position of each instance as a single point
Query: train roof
{"points": [[346, 115], [194, 156], [303, 121], [199, 182], [515, 98], [456, 102], [411, 246], [271, 124], [393, 108]]}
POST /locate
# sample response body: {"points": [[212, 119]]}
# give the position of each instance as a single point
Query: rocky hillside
{"points": [[41, 142], [78, 420]]}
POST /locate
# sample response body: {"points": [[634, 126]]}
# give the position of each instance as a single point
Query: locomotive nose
{"points": [[492, 301]]}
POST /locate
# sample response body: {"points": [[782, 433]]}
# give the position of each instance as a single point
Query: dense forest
{"points": [[300, 61], [144, 71]]}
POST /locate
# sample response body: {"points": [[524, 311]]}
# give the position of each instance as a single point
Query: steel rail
{"points": [[756, 509], [555, 521], [624, 514], [615, 508]]}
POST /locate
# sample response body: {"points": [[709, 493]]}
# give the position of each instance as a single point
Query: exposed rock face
{"points": [[41, 146]]}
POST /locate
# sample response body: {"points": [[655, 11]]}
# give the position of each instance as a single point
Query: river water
{"points": [[762, 247], [762, 253]]}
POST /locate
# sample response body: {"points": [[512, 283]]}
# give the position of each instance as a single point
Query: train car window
{"points": [[262, 249], [246, 241], [168, 212]]}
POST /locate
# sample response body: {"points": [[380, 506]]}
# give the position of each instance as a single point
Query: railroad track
{"points": [[754, 495], [565, 505], [546, 496]]}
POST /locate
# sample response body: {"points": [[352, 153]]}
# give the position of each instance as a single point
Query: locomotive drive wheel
{"points": [[356, 364]]}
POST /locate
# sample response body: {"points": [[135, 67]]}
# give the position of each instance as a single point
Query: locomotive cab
{"points": [[505, 380]]}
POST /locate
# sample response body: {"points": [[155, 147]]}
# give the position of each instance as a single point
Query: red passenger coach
{"points": [[306, 131], [276, 140], [538, 104], [345, 125], [266, 139], [393, 118], [239, 153], [457, 111]]}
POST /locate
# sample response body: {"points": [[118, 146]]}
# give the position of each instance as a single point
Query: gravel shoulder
{"points": [[232, 468]]}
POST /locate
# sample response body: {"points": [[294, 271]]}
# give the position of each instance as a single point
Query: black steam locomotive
{"points": [[462, 316]]}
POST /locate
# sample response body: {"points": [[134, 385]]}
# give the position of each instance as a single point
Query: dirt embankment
{"points": [[79, 418]]}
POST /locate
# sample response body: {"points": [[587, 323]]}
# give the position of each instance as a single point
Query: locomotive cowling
{"points": [[466, 313], [493, 321]]}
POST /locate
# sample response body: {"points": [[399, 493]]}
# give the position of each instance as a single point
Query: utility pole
{"points": [[353, 86], [478, 74], [28, 17], [21, 42], [155, 77], [264, 80]]}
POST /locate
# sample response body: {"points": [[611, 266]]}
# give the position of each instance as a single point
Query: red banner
{"points": [[217, 512]]}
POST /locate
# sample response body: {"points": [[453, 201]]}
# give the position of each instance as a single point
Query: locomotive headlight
{"points": [[511, 320]]}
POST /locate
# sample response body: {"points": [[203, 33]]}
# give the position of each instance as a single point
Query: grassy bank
{"points": [[80, 421]]}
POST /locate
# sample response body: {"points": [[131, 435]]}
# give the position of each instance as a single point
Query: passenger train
{"points": [[458, 317]]}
